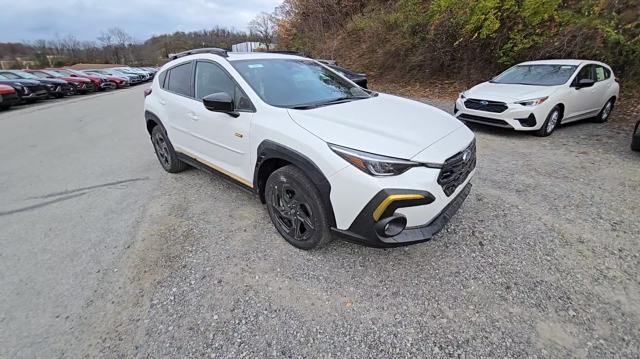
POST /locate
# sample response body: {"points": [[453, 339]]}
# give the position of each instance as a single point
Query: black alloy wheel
{"points": [[165, 153], [295, 208]]}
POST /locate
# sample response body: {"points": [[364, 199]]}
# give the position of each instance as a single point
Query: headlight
{"points": [[376, 165], [532, 102], [463, 95]]}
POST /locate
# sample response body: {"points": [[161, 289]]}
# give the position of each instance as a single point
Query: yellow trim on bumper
{"points": [[393, 198]]}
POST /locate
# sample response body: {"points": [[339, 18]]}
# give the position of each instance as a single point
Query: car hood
{"points": [[508, 92], [25, 82], [75, 79], [53, 81], [386, 125]]}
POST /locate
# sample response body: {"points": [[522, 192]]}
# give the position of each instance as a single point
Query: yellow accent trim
{"points": [[225, 172], [393, 198]]}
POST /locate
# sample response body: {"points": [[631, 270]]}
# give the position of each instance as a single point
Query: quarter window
{"points": [[180, 79], [161, 79]]}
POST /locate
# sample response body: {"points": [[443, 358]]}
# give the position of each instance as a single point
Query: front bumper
{"points": [[35, 95], [107, 85], [516, 117], [410, 235], [423, 198], [9, 99]]}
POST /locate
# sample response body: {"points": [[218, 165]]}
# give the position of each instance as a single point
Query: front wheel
{"points": [[550, 124], [296, 208]]}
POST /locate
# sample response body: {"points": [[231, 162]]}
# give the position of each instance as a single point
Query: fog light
{"points": [[527, 122], [391, 226]]}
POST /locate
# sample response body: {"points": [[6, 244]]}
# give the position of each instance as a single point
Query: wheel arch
{"points": [[272, 155], [562, 109], [151, 121]]}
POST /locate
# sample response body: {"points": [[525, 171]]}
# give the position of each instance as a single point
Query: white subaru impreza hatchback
{"points": [[539, 95], [326, 156]]}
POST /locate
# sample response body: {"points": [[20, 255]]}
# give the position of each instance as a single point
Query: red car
{"points": [[82, 85], [8, 97], [99, 82], [118, 81]]}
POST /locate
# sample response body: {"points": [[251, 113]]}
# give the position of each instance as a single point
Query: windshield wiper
{"points": [[327, 103]]}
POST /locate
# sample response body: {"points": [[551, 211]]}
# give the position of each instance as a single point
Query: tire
{"points": [[635, 138], [296, 208], [165, 152], [605, 112], [551, 123], [4, 107]]}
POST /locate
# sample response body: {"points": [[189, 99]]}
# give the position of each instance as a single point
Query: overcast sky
{"points": [[27, 20]]}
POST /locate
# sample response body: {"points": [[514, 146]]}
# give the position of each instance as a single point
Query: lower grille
{"points": [[484, 120], [485, 105], [457, 168]]}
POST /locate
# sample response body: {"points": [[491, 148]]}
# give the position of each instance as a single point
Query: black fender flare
{"points": [[268, 150], [151, 117]]}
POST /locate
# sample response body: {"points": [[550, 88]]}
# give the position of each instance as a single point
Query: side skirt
{"points": [[199, 165]]}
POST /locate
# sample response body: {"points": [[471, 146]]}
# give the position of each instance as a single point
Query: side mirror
{"points": [[585, 83], [220, 102]]}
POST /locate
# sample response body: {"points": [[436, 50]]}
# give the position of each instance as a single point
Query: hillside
{"points": [[465, 40]]}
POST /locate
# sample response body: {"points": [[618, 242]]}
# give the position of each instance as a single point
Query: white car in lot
{"points": [[540, 95], [326, 156]]}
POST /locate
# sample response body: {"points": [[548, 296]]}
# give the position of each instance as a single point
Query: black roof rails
{"points": [[287, 52], [207, 50]]}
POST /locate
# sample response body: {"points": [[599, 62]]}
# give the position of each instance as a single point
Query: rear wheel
{"points": [[605, 113], [165, 152], [296, 209], [550, 124]]}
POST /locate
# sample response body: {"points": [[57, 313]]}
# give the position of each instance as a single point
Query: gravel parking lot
{"points": [[103, 254]]}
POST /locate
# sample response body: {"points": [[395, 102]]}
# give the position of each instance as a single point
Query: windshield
{"points": [[9, 75], [26, 75], [57, 73], [540, 75], [296, 83]]}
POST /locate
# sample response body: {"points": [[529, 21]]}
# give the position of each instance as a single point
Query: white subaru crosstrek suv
{"points": [[325, 155], [540, 95]]}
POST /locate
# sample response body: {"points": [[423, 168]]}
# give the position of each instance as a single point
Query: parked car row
{"points": [[28, 86]]}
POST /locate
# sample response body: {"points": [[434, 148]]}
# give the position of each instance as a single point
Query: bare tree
{"points": [[263, 27], [115, 41]]}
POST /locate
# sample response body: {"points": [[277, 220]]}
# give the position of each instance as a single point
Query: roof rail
{"points": [[207, 50], [287, 52]]}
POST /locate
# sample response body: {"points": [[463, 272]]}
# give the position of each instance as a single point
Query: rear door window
{"points": [[180, 80], [601, 73]]}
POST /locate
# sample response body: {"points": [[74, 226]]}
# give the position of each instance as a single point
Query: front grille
{"points": [[485, 105], [484, 120], [457, 168]]}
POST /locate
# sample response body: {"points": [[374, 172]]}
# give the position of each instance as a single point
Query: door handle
{"points": [[192, 116]]}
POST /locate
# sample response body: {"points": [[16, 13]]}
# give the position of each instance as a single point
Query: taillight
{"points": [[147, 92]]}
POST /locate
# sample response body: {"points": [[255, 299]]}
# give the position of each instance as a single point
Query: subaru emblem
{"points": [[466, 155], [484, 103]]}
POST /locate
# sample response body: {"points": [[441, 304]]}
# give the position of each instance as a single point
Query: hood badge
{"points": [[466, 155]]}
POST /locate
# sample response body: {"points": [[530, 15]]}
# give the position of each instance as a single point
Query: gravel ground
{"points": [[541, 261]]}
